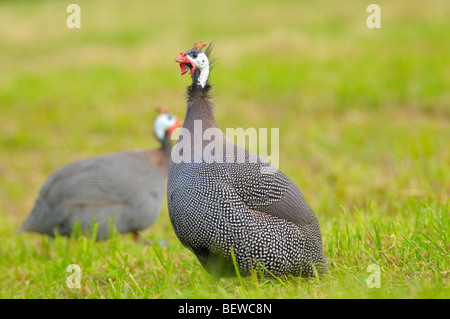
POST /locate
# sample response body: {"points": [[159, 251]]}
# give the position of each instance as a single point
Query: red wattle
{"points": [[178, 123], [183, 68]]}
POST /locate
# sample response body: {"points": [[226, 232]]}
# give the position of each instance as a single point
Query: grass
{"points": [[364, 119], [412, 253]]}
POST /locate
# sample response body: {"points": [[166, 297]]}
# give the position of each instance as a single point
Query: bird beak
{"points": [[178, 123], [185, 63]]}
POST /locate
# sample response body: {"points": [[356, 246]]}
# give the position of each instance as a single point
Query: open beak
{"points": [[184, 63], [178, 123]]}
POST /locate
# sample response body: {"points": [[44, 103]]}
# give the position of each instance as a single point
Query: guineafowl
{"points": [[227, 205], [124, 190]]}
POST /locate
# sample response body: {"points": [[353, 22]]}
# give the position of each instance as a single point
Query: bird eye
{"points": [[194, 55]]}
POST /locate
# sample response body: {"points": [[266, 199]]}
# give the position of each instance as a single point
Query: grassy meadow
{"points": [[363, 117]]}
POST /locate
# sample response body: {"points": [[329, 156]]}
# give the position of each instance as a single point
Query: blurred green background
{"points": [[364, 114]]}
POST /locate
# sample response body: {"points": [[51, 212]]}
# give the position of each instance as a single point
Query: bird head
{"points": [[165, 123], [196, 61]]}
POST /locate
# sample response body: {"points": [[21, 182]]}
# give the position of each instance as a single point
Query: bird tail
{"points": [[36, 218]]}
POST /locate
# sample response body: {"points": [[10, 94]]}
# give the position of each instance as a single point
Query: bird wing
{"points": [[113, 178], [266, 189], [110, 184]]}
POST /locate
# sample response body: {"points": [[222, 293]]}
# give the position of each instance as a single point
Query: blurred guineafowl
{"points": [[225, 200], [124, 190]]}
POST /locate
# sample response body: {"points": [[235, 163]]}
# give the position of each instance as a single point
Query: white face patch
{"points": [[162, 123], [201, 62]]}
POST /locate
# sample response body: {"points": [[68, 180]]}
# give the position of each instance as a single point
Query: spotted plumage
{"points": [[236, 204]]}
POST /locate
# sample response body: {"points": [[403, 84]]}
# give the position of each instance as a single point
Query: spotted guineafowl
{"points": [[123, 189], [226, 204]]}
